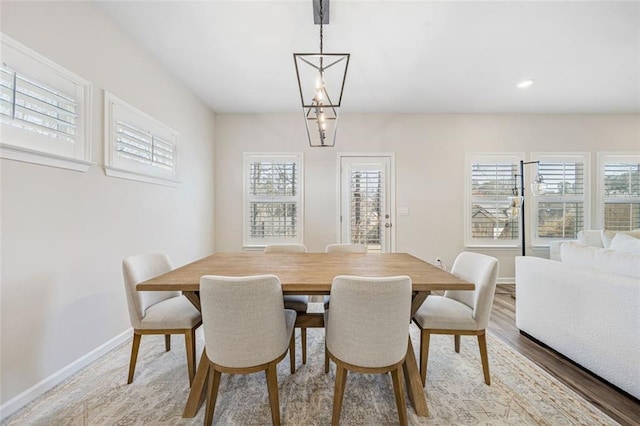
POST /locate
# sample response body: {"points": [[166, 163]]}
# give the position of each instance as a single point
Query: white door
{"points": [[366, 202]]}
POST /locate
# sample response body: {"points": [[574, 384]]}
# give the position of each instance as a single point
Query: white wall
{"points": [[430, 159], [65, 233]]}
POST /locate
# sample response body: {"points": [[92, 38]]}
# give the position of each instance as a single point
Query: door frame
{"points": [[391, 197]]}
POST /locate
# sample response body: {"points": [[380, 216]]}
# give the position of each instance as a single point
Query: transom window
{"points": [[45, 110], [138, 146]]}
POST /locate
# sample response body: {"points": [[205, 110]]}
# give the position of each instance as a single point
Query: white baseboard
{"points": [[506, 280], [19, 401]]}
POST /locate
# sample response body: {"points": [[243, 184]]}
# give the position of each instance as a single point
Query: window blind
{"points": [[143, 146], [491, 185], [560, 210], [367, 207], [30, 105], [621, 196], [273, 192]]}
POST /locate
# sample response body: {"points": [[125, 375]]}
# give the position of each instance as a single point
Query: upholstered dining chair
{"points": [[461, 312], [346, 248], [158, 312], [341, 248], [298, 303], [246, 330], [367, 331]]}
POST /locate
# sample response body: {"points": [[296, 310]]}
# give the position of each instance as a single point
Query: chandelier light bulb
{"points": [[538, 187]]}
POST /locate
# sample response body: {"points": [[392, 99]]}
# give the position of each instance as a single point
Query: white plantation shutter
{"points": [[490, 183], [273, 199], [30, 105], [143, 147], [562, 211], [620, 192], [138, 146], [44, 110], [367, 208]]}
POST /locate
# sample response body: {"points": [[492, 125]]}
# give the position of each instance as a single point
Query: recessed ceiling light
{"points": [[524, 84]]}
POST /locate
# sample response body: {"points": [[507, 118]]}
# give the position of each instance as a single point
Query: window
{"points": [[45, 110], [273, 199], [563, 210], [619, 191], [489, 184], [137, 146]]}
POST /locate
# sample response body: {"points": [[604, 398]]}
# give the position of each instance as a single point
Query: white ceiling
{"points": [[406, 56]]}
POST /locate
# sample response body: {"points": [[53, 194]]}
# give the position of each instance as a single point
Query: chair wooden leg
{"points": [[303, 338], [190, 344], [167, 342], [482, 343], [292, 352], [338, 394], [398, 390], [272, 386], [456, 343], [326, 360], [212, 394], [134, 356], [424, 355]]}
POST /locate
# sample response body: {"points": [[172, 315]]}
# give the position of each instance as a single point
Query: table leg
{"points": [[414, 383], [415, 390], [197, 392]]}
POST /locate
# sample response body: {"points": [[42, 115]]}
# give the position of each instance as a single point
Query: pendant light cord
{"points": [[321, 22]]}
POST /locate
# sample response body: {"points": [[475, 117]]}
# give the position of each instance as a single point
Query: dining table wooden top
{"points": [[308, 273]]}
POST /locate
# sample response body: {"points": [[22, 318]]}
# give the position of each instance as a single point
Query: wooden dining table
{"points": [[310, 274]]}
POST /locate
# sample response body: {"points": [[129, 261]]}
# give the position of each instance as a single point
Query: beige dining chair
{"points": [[341, 248], [367, 331], [246, 330], [298, 303], [158, 312], [346, 248], [461, 312]]}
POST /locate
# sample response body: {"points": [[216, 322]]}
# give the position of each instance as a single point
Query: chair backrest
{"points": [[369, 318], [243, 319], [346, 248], [285, 248], [482, 270], [136, 269]]}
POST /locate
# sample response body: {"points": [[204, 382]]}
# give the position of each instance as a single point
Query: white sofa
{"points": [[586, 307], [598, 239]]}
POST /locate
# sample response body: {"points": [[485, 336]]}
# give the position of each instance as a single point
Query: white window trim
{"points": [[609, 157], [485, 157], [531, 207], [287, 156], [112, 107], [81, 160]]}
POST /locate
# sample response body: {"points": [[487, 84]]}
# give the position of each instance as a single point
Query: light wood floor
{"points": [[619, 406]]}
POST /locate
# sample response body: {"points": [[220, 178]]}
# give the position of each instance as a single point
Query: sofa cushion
{"points": [[604, 260], [607, 236], [625, 242], [591, 238]]}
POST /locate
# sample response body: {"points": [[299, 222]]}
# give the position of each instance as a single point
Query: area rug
{"points": [[520, 392]]}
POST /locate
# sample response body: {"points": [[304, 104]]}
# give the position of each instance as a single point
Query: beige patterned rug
{"points": [[520, 392]]}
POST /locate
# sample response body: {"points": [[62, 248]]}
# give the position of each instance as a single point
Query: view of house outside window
{"points": [[492, 180]]}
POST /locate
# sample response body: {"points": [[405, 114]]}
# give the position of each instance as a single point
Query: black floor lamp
{"points": [[516, 202]]}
